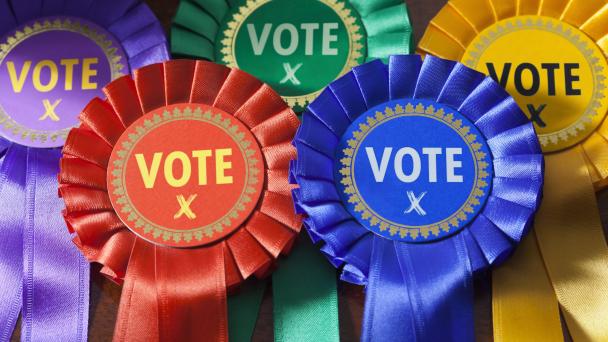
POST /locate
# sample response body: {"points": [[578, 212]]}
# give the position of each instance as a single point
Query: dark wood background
{"points": [[105, 295]]}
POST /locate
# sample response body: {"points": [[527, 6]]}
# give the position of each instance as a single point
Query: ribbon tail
{"points": [[572, 245], [12, 214], [388, 309], [137, 318], [191, 289], [305, 297], [524, 306], [243, 310], [419, 292], [56, 275]]}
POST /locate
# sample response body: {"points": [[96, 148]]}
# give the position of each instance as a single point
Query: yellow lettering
{"points": [[43, 88], [18, 82], [202, 156], [148, 175], [88, 72], [69, 71], [221, 166], [187, 169]]}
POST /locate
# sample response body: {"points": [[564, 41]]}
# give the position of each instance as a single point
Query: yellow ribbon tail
{"points": [[524, 307], [573, 246], [570, 239]]}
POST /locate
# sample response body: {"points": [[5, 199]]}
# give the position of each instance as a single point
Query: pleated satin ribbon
{"points": [[418, 292], [388, 31], [196, 24], [565, 263], [42, 275], [176, 293], [46, 280]]}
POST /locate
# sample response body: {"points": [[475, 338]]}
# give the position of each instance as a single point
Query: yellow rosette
{"points": [[551, 56]]}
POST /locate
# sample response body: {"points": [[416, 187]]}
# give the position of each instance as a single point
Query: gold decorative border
{"points": [[350, 22], [573, 35], [368, 214], [111, 52], [138, 222]]}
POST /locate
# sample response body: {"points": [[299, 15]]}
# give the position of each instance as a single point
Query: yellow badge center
{"points": [[554, 71]]}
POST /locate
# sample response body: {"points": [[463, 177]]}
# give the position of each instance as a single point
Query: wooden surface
{"points": [[105, 295]]}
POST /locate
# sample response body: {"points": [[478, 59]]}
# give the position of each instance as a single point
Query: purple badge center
{"points": [[49, 74]]}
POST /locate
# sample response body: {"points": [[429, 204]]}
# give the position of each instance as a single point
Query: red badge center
{"points": [[185, 175]]}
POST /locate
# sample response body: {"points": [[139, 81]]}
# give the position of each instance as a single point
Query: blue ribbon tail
{"points": [[56, 275], [419, 292]]}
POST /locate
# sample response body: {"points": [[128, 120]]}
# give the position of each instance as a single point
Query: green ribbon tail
{"points": [[305, 297], [243, 309]]}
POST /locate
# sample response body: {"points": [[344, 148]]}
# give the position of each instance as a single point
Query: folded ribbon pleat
{"points": [[417, 291]]}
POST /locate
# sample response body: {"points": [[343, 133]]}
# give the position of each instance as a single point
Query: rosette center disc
{"points": [[555, 72], [296, 46], [185, 175], [413, 171], [51, 68]]}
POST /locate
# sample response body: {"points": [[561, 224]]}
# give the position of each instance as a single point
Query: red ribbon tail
{"points": [[191, 285], [138, 310], [173, 294]]}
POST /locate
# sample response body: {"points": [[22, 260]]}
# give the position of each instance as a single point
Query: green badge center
{"points": [[296, 46]]}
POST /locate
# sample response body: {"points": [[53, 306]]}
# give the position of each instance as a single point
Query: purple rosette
{"points": [[55, 56], [414, 235]]}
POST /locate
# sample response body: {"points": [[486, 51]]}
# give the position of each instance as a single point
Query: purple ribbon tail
{"points": [[56, 275], [12, 213]]}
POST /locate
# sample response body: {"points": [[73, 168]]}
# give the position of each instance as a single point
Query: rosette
{"points": [[54, 56], [178, 185], [551, 57], [297, 47], [416, 176]]}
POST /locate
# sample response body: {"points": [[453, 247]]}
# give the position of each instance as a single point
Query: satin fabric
{"points": [[303, 293], [388, 31], [196, 25], [12, 175], [419, 292], [570, 251], [524, 280], [169, 293], [436, 287], [47, 280], [48, 286], [571, 207], [243, 308]]}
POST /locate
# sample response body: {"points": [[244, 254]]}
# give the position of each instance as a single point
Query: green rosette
{"points": [[296, 46]]}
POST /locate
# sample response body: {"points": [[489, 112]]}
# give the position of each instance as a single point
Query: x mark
{"points": [[290, 73], [184, 207], [535, 114], [50, 110], [415, 203]]}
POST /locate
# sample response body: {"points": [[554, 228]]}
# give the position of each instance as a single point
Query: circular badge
{"points": [[50, 69], [555, 72], [296, 46], [185, 175], [413, 171]]}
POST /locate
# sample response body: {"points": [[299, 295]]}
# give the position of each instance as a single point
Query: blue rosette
{"points": [[466, 182], [46, 77]]}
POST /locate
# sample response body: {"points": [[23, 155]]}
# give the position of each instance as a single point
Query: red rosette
{"points": [[173, 293]]}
